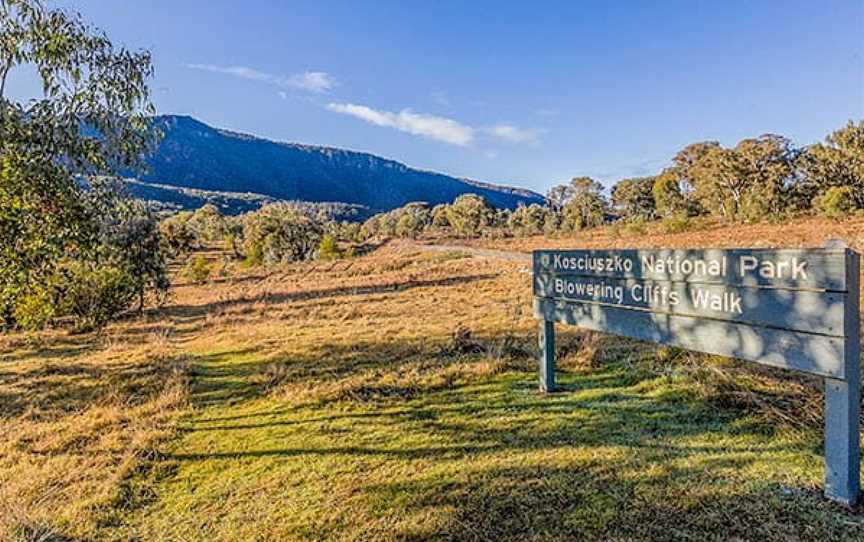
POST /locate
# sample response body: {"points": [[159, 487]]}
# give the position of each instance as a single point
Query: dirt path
{"points": [[520, 257]]}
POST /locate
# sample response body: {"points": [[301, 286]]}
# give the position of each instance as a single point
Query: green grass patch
{"points": [[608, 458]]}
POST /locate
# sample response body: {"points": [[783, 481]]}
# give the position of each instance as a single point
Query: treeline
{"points": [[275, 233], [758, 179]]}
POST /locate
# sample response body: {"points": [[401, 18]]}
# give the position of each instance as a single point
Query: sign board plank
{"points": [[821, 269], [803, 310], [815, 354]]}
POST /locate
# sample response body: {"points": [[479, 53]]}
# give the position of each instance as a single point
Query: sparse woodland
{"points": [[78, 249], [310, 378], [759, 180]]}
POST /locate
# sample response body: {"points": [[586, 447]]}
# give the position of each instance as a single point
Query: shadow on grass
{"points": [[592, 501], [187, 312], [662, 488], [645, 471], [60, 383], [60, 388], [51, 349]]}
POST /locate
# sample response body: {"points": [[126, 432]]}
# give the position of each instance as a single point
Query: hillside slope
{"points": [[195, 155]]}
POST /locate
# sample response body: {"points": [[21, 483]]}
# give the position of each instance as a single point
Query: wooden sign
{"points": [[796, 309]]}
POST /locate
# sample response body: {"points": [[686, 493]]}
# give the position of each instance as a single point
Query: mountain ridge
{"points": [[194, 155]]}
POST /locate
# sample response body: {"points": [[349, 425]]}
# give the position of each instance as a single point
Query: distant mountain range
{"points": [[239, 172]]}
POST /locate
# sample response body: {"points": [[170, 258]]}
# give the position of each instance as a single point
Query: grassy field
{"points": [[393, 397]]}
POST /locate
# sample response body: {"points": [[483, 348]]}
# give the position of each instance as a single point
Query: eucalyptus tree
{"points": [[586, 207], [469, 215], [836, 164], [89, 118], [633, 199], [746, 182]]}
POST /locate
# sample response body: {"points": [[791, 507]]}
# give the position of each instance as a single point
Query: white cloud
{"points": [[312, 81], [431, 126], [282, 94], [308, 81], [514, 134]]}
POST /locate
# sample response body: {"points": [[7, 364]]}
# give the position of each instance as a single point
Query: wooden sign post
{"points": [[796, 309]]}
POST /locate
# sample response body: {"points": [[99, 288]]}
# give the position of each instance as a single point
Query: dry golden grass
{"points": [[392, 397], [806, 232], [84, 414], [80, 416]]}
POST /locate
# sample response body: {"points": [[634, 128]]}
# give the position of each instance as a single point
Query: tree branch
{"points": [[4, 71]]}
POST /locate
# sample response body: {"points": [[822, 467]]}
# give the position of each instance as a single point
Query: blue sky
{"points": [[526, 93]]}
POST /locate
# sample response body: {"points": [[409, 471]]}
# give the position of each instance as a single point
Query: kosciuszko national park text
{"points": [[660, 281]]}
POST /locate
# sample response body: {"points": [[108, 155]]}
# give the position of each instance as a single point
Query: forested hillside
{"points": [[192, 154]]}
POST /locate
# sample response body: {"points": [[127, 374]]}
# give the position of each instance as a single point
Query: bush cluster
{"points": [[275, 233], [114, 261]]}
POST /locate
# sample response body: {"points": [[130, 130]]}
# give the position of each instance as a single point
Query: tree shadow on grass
{"points": [[190, 311], [595, 501], [52, 349], [597, 496], [648, 468], [54, 389]]}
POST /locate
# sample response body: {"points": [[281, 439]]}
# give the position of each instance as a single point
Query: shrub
{"points": [[409, 226], [328, 248], [552, 222], [469, 215], [349, 231], [279, 233], [407, 221], [836, 202], [177, 235], [439, 216], [232, 238], [35, 309], [198, 269], [677, 224], [636, 228], [254, 254], [208, 224], [93, 294], [527, 220]]}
